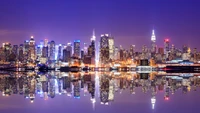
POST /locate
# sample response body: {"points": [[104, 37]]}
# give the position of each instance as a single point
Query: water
{"points": [[97, 92]]}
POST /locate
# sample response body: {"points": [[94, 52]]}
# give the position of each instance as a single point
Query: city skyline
{"points": [[96, 56], [94, 37], [128, 23]]}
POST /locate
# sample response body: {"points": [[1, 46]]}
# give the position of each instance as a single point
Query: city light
{"points": [[93, 100], [77, 40], [77, 97], [100, 56], [3, 94], [166, 40], [166, 98], [153, 101]]}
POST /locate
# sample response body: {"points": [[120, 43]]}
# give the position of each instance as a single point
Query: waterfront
{"points": [[99, 92], [99, 56]]}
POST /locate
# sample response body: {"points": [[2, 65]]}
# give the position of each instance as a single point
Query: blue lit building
{"points": [[77, 48]]}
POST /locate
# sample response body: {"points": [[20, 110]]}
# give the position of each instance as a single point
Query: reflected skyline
{"points": [[98, 87], [99, 56]]}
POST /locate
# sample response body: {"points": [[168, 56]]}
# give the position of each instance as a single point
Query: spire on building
{"points": [[32, 40], [32, 37], [93, 32], [153, 36], [93, 35]]}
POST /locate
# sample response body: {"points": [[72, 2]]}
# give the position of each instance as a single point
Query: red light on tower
{"points": [[166, 98], [167, 40]]}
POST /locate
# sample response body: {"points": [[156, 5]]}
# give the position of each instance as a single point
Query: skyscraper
{"points": [[132, 51], [173, 49], [116, 54], [153, 42], [69, 48], [85, 48], [56, 52], [66, 55], [7, 50], [60, 51], [161, 51], [90, 50], [21, 54], [26, 49], [2, 54], [185, 49], [121, 54], [32, 54], [97, 52], [82, 54], [39, 51], [52, 50], [77, 48], [166, 48], [111, 47], [15, 50], [46, 42], [45, 52], [93, 44], [104, 49], [144, 52], [195, 54]]}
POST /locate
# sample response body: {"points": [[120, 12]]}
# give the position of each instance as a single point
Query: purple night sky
{"points": [[129, 21]]}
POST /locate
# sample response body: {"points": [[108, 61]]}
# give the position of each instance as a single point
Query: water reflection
{"points": [[96, 85]]}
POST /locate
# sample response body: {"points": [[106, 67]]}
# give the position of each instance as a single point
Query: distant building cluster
{"points": [[97, 53]]}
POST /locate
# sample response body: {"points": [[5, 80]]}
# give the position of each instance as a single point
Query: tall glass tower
{"points": [[153, 42], [32, 55], [77, 48], [104, 49], [94, 45]]}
